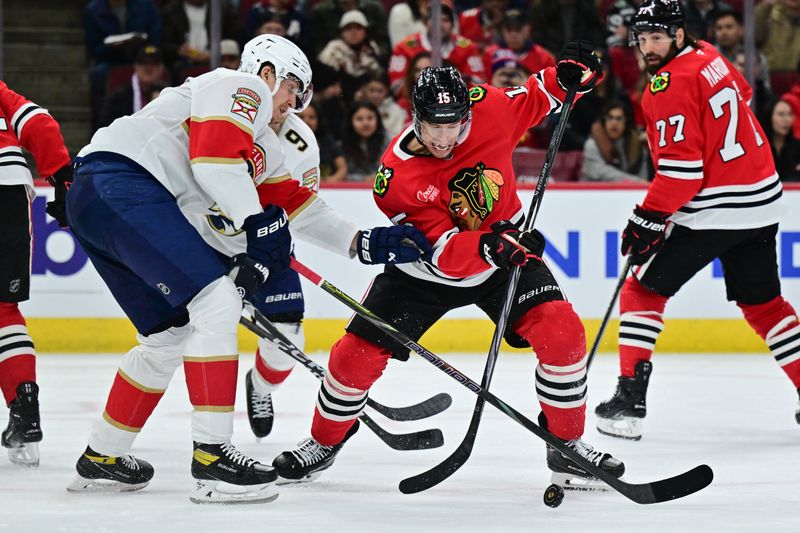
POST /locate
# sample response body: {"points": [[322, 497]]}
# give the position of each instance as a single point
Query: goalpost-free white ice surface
{"points": [[732, 412]]}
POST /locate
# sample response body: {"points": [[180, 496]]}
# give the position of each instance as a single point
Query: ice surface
{"points": [[733, 412]]}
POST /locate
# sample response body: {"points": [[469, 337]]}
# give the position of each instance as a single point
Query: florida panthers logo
{"points": [[473, 195], [220, 223]]}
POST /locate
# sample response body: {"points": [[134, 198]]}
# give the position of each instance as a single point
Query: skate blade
{"points": [[25, 455], [572, 482], [220, 492], [305, 479], [624, 427], [83, 485]]}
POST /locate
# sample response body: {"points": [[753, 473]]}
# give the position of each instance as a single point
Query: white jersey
{"points": [[204, 141], [290, 180], [302, 151]]}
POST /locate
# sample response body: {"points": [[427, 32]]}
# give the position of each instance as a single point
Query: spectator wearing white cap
{"points": [[230, 55], [353, 54]]}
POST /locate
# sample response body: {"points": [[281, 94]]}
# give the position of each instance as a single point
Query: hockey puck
{"points": [[553, 496]]}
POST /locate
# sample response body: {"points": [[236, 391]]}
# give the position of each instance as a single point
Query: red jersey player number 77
{"points": [[715, 195]]}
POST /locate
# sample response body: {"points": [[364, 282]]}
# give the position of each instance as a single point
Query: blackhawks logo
{"points": [[659, 83], [476, 94], [381, 185], [473, 195]]}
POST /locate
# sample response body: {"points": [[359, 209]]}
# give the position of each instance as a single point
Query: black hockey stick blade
{"points": [[654, 492], [443, 470], [430, 407], [672, 488], [420, 440]]}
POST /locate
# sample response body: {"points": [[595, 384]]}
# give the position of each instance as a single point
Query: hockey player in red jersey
{"points": [[450, 175], [23, 124], [715, 195]]}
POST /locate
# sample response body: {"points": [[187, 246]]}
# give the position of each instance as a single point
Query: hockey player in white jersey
{"points": [[292, 183], [135, 185], [195, 153]]}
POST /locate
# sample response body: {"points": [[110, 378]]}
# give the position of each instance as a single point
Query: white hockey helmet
{"points": [[286, 58]]}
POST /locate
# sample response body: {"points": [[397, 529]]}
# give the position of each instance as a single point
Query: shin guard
{"points": [[556, 334], [641, 321], [355, 364], [17, 354], [776, 322]]}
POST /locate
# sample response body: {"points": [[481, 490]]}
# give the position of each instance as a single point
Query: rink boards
{"points": [[71, 310]]}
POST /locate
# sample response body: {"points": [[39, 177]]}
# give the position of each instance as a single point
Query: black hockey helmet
{"points": [[654, 15], [440, 96]]}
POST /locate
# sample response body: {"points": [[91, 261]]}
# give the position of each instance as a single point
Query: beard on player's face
{"points": [[656, 62]]}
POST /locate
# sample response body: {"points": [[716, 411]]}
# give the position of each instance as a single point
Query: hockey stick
{"points": [[430, 407], [461, 454], [622, 277], [421, 440], [662, 490]]}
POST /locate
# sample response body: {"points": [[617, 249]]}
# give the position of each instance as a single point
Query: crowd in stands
{"points": [[365, 55]]}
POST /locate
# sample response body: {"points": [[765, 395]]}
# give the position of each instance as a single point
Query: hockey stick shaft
{"points": [[430, 407], [620, 282], [662, 490], [421, 440], [461, 454]]}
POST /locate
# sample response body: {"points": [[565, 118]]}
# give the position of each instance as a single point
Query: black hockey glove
{"points": [[268, 238], [506, 246], [247, 274], [61, 181], [644, 235], [577, 65], [393, 244]]}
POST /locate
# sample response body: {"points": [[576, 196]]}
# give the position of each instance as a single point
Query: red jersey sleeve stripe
{"points": [[219, 137], [287, 193]]}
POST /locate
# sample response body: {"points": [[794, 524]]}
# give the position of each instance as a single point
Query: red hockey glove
{"points": [[644, 235], [506, 246], [577, 65]]}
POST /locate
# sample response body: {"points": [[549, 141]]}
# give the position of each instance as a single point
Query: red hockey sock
{"points": [[269, 374], [641, 322], [556, 334], [129, 403], [17, 354], [776, 322], [355, 364]]}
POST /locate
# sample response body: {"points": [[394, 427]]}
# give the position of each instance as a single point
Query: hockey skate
{"points": [[309, 460], [225, 475], [569, 475], [259, 408], [24, 430], [106, 473], [622, 415]]}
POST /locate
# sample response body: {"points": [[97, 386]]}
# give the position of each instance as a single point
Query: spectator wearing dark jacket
{"points": [[114, 30], [187, 31], [785, 146], [148, 70], [556, 22]]}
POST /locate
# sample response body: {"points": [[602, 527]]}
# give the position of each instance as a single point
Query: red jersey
{"points": [[714, 167], [459, 51], [533, 59], [471, 24], [454, 201], [25, 124]]}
